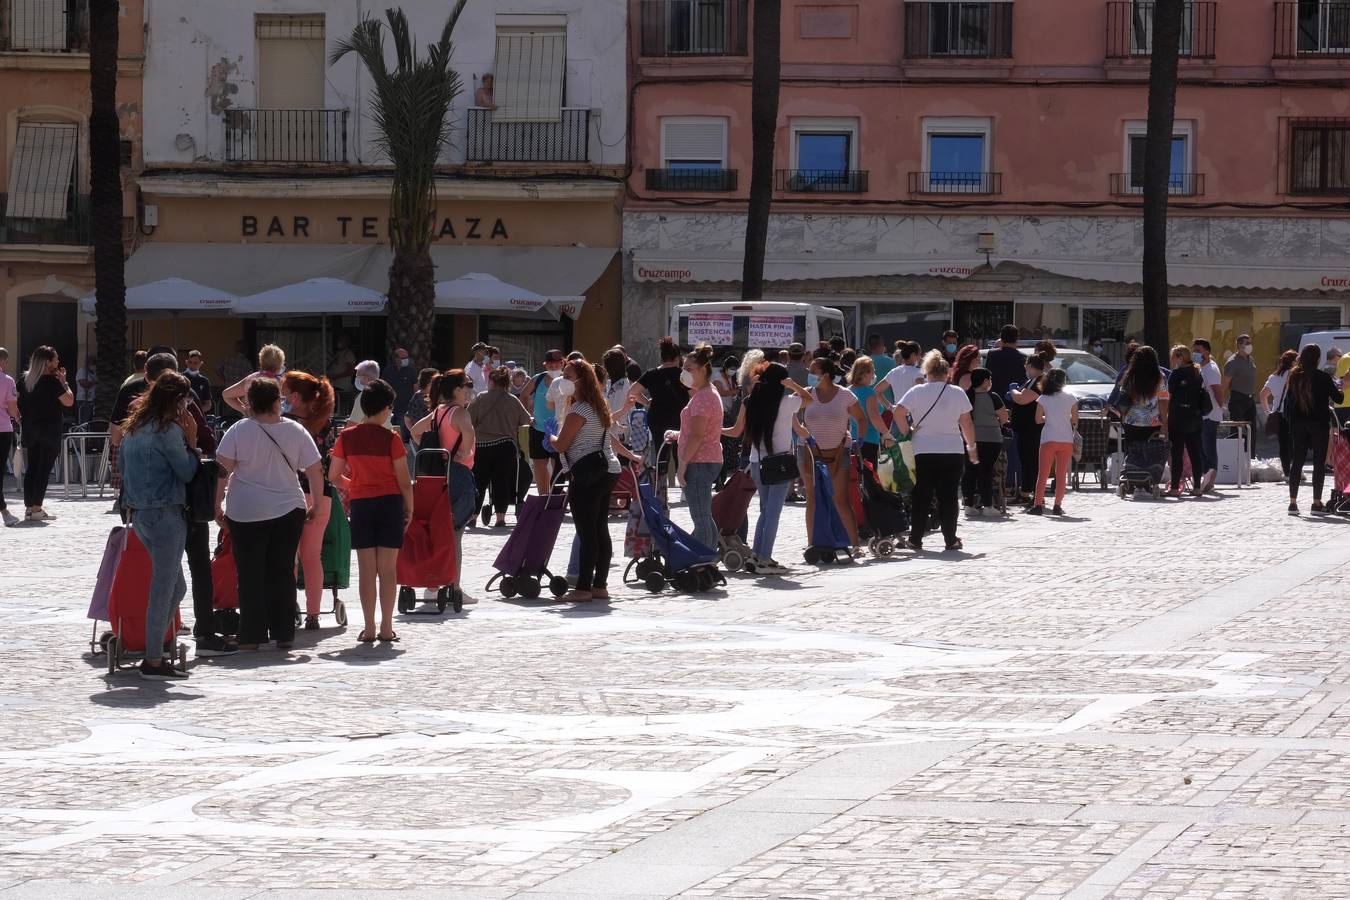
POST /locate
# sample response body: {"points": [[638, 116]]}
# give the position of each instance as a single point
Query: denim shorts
{"points": [[377, 522]]}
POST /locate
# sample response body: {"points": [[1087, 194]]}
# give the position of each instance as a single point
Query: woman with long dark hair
{"points": [[1143, 396], [1307, 405], [42, 404], [1272, 401], [1185, 393], [584, 444], [311, 401], [157, 463]]}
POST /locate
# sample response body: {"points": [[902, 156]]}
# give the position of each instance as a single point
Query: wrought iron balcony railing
{"points": [[1305, 29], [821, 181], [694, 180], [956, 182], [958, 29], [693, 27], [286, 135], [73, 229], [1129, 29], [50, 26], [566, 140], [1131, 184]]}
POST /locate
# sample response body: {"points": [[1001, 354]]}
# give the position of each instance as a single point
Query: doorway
{"points": [[52, 322]]}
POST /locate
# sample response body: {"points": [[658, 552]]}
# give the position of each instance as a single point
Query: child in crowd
{"points": [[370, 470]]}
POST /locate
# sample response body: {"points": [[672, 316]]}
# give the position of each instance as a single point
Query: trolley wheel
{"points": [[507, 587], [529, 587], [103, 640], [646, 566], [407, 600], [1122, 490], [557, 585], [733, 561], [885, 547], [706, 579], [825, 557], [442, 600], [340, 613], [810, 556], [486, 515], [654, 582], [114, 653], [457, 599], [182, 657]]}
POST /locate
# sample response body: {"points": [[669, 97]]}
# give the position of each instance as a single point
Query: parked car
{"points": [[1326, 340], [1089, 377]]}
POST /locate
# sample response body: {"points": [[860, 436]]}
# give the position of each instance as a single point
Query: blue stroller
{"points": [[829, 537], [674, 557]]}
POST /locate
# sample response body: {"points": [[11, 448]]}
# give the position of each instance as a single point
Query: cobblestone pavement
{"points": [[1143, 699]]}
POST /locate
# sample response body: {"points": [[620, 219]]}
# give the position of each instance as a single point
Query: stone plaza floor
{"points": [[1142, 699]]}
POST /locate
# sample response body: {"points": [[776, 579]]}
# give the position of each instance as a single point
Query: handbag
{"points": [[1275, 421], [201, 491], [778, 468]]}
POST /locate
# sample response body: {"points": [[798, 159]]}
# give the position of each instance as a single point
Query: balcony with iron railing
{"points": [[286, 135], [1129, 29], [72, 230], [1179, 184], [958, 30], [821, 181], [564, 140], [1312, 30], [956, 182], [693, 27], [701, 181], [44, 26]]}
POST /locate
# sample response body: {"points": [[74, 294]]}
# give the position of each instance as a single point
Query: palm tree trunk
{"points": [[765, 82], [412, 304], [1162, 103], [105, 188]]}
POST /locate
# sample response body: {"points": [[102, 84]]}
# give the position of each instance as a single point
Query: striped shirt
{"points": [[592, 437]]}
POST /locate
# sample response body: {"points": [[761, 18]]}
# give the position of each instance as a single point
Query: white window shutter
{"points": [[528, 82], [42, 170], [695, 140]]}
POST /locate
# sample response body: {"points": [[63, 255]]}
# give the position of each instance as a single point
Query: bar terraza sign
{"points": [[468, 228]]}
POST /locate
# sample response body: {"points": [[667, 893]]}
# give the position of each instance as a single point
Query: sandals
{"points": [[364, 638], [599, 594], [577, 597], [391, 638]]}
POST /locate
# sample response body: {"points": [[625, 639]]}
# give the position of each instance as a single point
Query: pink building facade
{"points": [[973, 163]]}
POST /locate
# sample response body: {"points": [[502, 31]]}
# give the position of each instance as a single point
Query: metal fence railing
{"points": [[821, 181], [564, 140], [693, 27], [700, 180], [1129, 29], [1183, 184], [1311, 29], [50, 26], [286, 135], [72, 230], [956, 182]]}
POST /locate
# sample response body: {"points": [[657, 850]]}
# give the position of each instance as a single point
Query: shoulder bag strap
{"points": [[933, 407], [275, 444]]}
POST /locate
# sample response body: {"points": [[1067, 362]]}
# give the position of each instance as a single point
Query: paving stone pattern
{"points": [[1069, 708]]}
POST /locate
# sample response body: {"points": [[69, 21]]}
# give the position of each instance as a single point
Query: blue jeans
{"points": [[771, 500], [163, 531], [1209, 436], [698, 487]]}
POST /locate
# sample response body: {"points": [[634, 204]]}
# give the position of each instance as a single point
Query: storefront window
{"points": [[979, 322], [524, 341], [896, 321], [1057, 321]]}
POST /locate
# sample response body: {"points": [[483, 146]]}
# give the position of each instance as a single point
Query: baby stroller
{"points": [[673, 557], [428, 558], [121, 596], [829, 538], [1143, 468], [729, 507], [887, 518], [522, 564]]}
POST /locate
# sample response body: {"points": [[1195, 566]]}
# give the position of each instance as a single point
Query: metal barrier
{"points": [[76, 445]]}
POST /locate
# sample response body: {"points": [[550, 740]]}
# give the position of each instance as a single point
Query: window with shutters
{"points": [[530, 67], [1181, 179], [1319, 156], [693, 155], [44, 25], [42, 183]]}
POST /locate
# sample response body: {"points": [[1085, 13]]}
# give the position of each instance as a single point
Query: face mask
{"points": [[687, 378], [1244, 349], [811, 379], [359, 382], [951, 348], [404, 363], [567, 388], [1096, 348], [1198, 356]]}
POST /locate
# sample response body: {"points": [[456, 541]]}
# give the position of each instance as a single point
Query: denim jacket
{"points": [[156, 467]]}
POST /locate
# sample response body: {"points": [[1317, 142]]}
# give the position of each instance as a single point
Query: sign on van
{"points": [[710, 328], [771, 331]]}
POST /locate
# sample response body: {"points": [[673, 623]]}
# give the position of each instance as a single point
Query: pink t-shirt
{"points": [[705, 404], [8, 392]]}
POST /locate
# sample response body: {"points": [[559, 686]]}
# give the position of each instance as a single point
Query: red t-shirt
{"points": [[369, 451]]}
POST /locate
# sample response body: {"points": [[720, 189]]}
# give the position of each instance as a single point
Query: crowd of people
{"points": [[286, 467]]}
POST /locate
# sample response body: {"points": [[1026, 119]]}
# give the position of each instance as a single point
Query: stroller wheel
{"points": [[557, 585], [647, 566], [114, 649], [654, 582], [507, 587], [707, 578], [457, 599], [528, 587], [340, 613], [686, 582], [103, 641], [442, 600], [825, 557], [733, 561], [885, 547], [407, 600]]}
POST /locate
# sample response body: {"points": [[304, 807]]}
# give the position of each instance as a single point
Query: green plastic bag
{"points": [[895, 466]]}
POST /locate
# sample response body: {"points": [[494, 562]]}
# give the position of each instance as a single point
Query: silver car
{"points": [[1089, 377]]}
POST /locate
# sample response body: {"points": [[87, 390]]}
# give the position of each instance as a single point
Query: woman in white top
{"points": [[766, 420], [260, 501], [1272, 401], [937, 414], [1057, 412]]}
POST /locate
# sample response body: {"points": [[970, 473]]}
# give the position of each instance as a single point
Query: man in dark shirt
{"points": [[201, 385], [1005, 363], [402, 377]]}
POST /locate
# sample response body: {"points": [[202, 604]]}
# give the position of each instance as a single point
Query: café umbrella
{"points": [[478, 292], [172, 297], [322, 297]]}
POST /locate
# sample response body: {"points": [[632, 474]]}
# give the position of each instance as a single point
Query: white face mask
{"points": [[405, 362], [359, 382], [567, 387], [687, 378]]}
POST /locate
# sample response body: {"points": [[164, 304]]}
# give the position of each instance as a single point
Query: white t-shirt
{"points": [[901, 379], [616, 394], [1213, 378], [782, 428], [939, 406], [478, 376], [1058, 417], [264, 483], [1275, 384]]}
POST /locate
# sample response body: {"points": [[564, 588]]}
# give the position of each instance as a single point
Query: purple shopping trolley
{"points": [[522, 564]]}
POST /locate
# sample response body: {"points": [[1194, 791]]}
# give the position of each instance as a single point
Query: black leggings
{"points": [[203, 590], [1029, 456], [264, 558], [1193, 445], [1308, 435], [937, 474], [978, 481], [496, 469], [42, 454], [6, 445], [590, 515]]}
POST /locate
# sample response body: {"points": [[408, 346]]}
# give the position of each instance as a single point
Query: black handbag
{"points": [[778, 468], [201, 492]]}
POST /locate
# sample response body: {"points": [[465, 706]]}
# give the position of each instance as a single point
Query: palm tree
{"points": [[410, 106], [105, 189], [1162, 104], [765, 81]]}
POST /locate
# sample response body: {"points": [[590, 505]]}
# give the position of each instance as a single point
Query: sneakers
{"points": [[1057, 511], [38, 515], [1207, 483], [9, 518], [1036, 511], [162, 672], [215, 645], [311, 623]]}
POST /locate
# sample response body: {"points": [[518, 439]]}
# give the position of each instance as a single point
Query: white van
{"points": [[737, 326], [1326, 340]]}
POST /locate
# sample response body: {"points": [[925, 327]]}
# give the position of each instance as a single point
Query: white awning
{"points": [[479, 293], [1199, 273], [172, 296], [42, 170], [245, 269], [314, 297], [650, 267]]}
